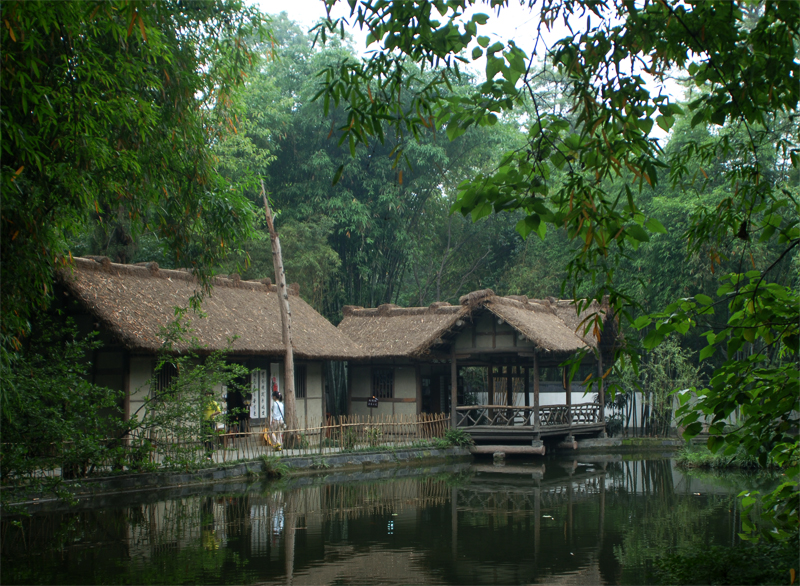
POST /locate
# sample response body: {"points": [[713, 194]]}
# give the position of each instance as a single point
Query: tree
{"points": [[109, 110], [372, 237], [581, 172]]}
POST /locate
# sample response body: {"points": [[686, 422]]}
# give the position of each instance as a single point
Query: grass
{"points": [[702, 457], [273, 467]]}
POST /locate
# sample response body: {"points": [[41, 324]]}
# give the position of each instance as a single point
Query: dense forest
{"points": [[385, 231]]}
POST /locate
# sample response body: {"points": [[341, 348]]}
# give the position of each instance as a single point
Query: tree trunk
{"points": [[286, 324]]}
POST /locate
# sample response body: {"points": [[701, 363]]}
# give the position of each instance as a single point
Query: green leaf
{"points": [[638, 233], [703, 299], [692, 430], [477, 53], [706, 352], [655, 226], [652, 339], [337, 175]]}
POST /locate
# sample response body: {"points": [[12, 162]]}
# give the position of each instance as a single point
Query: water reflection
{"points": [[593, 520]]}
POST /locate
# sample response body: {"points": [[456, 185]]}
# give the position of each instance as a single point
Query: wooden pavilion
{"points": [[421, 359]]}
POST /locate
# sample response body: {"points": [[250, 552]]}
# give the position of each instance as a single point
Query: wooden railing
{"points": [[508, 416], [163, 450]]}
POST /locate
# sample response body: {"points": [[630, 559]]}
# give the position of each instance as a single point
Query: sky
{"points": [[514, 23]]}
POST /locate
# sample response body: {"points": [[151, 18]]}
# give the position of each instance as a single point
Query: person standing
{"points": [[210, 412], [276, 420]]}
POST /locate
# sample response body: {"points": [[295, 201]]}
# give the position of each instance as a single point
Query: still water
{"points": [[594, 520]]}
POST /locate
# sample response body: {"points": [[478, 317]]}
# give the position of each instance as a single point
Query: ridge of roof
{"points": [[242, 317], [152, 270]]}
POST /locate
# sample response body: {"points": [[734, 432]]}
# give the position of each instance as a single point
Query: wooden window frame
{"points": [[383, 389], [300, 381], [163, 377]]}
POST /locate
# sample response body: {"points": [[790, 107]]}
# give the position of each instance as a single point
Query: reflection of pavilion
{"points": [[492, 524]]}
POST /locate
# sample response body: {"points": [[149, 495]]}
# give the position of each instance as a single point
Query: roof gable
{"points": [[389, 331]]}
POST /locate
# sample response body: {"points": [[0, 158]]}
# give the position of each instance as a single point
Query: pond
{"points": [[590, 520]]}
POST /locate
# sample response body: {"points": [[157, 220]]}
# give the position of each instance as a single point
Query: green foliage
{"points": [[458, 437], [762, 563], [109, 110], [171, 422], [663, 371], [585, 170], [690, 457], [374, 436], [274, 467], [52, 416], [349, 439]]}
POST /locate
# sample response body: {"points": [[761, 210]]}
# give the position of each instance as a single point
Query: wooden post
{"points": [[418, 374], [454, 385], [490, 395], [509, 392], [509, 385], [601, 393], [535, 393], [568, 391], [527, 390], [286, 320]]}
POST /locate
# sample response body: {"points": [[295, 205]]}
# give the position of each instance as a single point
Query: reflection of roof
{"points": [[552, 325], [136, 301]]}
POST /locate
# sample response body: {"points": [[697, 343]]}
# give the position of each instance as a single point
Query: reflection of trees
{"points": [[605, 519], [648, 519]]}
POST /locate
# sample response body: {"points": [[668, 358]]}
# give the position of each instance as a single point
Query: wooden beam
{"points": [[527, 384]]}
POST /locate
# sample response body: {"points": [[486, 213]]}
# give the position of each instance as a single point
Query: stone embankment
{"points": [[113, 486]]}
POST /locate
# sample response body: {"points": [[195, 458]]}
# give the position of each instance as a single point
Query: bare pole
{"points": [[286, 318]]}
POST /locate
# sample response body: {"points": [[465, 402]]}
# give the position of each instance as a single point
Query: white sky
{"points": [[514, 23]]}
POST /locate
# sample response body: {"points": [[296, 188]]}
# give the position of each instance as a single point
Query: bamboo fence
{"points": [[166, 450]]}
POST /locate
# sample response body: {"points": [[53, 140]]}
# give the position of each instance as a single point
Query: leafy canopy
{"points": [[110, 109], [580, 170]]}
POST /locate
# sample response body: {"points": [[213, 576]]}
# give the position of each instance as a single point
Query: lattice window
{"points": [[164, 376], [383, 383], [300, 381]]}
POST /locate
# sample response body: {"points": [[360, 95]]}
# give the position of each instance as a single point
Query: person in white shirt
{"points": [[276, 420]]}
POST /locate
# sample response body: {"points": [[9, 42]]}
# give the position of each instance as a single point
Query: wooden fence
{"points": [[161, 449], [337, 434]]}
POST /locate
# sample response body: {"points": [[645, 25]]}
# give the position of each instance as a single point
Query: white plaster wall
{"points": [[362, 386], [464, 339], [405, 382], [141, 371], [504, 336], [405, 409], [483, 326], [310, 411]]}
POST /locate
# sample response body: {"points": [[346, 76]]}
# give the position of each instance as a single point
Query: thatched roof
{"points": [[393, 332], [135, 301]]}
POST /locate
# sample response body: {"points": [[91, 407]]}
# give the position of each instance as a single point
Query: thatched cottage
{"points": [[130, 304], [487, 351]]}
